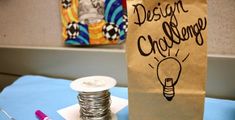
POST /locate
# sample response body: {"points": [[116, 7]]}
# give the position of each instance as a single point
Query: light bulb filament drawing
{"points": [[168, 89], [173, 74], [168, 73]]}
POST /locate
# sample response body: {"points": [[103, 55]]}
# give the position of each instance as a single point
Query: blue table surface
{"points": [[30, 93]]}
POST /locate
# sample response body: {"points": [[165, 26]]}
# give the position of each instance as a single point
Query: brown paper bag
{"points": [[167, 59]]}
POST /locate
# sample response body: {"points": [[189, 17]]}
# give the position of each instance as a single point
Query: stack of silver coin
{"points": [[95, 105]]}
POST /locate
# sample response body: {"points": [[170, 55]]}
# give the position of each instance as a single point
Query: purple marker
{"points": [[41, 115]]}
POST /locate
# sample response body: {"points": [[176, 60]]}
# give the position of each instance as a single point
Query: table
{"points": [[30, 93]]}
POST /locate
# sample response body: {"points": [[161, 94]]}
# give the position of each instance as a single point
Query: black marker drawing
{"points": [[170, 67], [169, 80], [168, 73]]}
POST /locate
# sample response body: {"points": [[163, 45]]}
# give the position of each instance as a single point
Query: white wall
{"points": [[37, 23], [30, 43]]}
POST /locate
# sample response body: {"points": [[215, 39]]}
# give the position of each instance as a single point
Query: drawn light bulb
{"points": [[168, 74]]}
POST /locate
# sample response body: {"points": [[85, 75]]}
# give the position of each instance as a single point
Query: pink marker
{"points": [[41, 115]]}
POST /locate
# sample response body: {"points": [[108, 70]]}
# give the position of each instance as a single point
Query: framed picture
{"points": [[94, 22]]}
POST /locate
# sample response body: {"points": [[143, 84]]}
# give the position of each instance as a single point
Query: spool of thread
{"points": [[94, 97]]}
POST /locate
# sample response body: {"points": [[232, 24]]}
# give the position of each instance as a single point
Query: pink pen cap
{"points": [[41, 115]]}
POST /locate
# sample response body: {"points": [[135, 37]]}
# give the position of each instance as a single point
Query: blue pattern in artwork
{"points": [[114, 14], [82, 38]]}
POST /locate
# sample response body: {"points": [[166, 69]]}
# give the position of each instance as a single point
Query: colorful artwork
{"points": [[94, 22]]}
